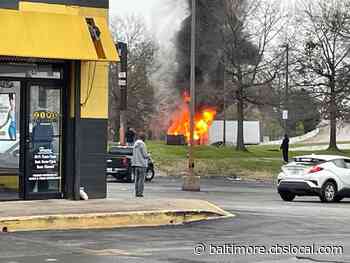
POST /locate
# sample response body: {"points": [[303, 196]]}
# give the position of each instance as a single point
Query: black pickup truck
{"points": [[119, 164]]}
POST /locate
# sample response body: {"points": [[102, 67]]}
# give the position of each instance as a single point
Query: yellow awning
{"points": [[52, 36]]}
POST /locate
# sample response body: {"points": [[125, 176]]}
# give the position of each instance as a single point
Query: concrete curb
{"points": [[110, 220]]}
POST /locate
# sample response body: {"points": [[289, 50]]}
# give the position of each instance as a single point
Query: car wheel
{"points": [[149, 174], [115, 177], [329, 192], [338, 199], [286, 196]]}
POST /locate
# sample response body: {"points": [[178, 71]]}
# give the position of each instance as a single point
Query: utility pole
{"points": [[223, 63], [224, 110], [287, 84], [286, 92], [122, 81], [192, 182]]}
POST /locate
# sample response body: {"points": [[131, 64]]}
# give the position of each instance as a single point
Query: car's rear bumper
{"points": [[298, 188], [118, 172]]}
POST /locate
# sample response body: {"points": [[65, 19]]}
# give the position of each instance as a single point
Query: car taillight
{"points": [[315, 169], [125, 161]]}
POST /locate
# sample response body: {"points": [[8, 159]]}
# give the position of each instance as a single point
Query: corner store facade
{"points": [[54, 60]]}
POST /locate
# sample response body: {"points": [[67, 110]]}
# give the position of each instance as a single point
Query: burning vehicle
{"points": [[179, 131]]}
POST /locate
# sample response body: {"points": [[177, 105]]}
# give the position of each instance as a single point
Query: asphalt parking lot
{"points": [[262, 220]]}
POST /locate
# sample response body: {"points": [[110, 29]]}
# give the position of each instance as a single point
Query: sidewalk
{"points": [[105, 213]]}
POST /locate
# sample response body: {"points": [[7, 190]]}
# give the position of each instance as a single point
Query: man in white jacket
{"points": [[140, 163]]}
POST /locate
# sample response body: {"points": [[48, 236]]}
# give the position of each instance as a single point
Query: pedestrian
{"points": [[130, 137], [139, 163], [285, 147]]}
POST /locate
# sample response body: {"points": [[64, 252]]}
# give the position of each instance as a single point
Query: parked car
{"points": [[326, 176], [119, 164]]}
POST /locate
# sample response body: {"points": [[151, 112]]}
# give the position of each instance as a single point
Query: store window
{"points": [[9, 139], [42, 97], [45, 136]]}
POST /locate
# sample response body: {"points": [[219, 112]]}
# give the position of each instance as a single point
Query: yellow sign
{"points": [[45, 115]]}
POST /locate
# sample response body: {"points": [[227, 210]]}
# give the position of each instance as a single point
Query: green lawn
{"points": [[258, 162], [316, 144]]}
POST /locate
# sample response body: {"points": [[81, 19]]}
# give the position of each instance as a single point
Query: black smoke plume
{"points": [[209, 50]]}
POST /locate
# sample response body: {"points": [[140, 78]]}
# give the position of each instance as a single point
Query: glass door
{"points": [[10, 175], [43, 142]]}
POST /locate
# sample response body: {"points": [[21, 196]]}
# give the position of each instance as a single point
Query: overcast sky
{"points": [[147, 7], [163, 17], [142, 7]]}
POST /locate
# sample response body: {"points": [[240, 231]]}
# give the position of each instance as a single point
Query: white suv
{"points": [[326, 176]]}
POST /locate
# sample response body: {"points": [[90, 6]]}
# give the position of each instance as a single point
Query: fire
{"points": [[180, 124]]}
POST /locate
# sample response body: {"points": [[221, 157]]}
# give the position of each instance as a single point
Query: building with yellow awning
{"points": [[54, 64]]}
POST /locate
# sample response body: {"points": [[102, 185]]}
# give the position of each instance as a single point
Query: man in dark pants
{"points": [[285, 147], [139, 163]]}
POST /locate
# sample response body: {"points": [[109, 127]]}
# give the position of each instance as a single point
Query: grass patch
{"points": [[315, 144], [259, 162]]}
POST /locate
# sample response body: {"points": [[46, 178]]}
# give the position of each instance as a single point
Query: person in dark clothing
{"points": [[285, 147], [130, 137]]}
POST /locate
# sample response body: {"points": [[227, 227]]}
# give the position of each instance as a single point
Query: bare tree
{"points": [[141, 64], [249, 30], [323, 57]]}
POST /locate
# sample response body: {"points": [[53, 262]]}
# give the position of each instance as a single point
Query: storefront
{"points": [[54, 61]]}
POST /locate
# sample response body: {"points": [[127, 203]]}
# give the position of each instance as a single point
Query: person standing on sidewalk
{"points": [[285, 148], [139, 163]]}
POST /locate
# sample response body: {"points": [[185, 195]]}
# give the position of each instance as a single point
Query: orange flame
{"points": [[180, 124]]}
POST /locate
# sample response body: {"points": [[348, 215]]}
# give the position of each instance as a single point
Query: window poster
{"points": [[45, 165], [8, 126]]}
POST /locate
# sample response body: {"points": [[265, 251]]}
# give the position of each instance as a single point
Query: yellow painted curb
{"points": [[107, 220], [220, 211]]}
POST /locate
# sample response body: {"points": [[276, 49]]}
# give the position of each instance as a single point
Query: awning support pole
{"points": [[77, 136]]}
